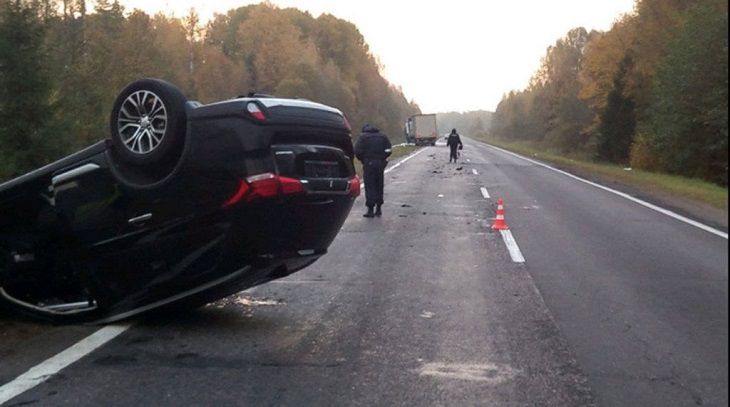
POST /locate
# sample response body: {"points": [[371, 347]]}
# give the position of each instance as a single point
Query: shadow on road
{"points": [[10, 319], [16, 329], [238, 311]]}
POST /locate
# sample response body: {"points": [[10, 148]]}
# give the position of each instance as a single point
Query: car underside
{"points": [[185, 204]]}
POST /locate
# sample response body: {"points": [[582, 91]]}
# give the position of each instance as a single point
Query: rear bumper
{"points": [[425, 141], [304, 223]]}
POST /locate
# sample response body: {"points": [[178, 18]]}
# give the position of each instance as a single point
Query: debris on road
{"points": [[247, 301], [250, 301]]}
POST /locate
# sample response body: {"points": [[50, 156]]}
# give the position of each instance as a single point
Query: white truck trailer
{"points": [[421, 129]]}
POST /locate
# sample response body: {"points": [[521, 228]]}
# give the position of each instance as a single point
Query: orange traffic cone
{"points": [[499, 223]]}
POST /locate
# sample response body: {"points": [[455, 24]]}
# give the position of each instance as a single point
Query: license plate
{"points": [[321, 169]]}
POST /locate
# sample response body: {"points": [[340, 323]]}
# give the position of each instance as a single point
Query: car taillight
{"points": [[354, 186], [264, 186], [240, 193], [255, 111], [291, 186]]}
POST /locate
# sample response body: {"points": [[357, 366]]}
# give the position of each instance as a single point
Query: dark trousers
{"points": [[454, 153], [374, 182]]}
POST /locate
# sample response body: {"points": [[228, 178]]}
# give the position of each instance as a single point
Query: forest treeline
{"points": [[466, 123], [62, 63], [650, 93]]}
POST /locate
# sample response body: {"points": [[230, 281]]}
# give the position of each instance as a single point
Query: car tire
{"points": [[148, 123]]}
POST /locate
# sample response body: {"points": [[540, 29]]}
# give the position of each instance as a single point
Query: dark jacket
{"points": [[372, 145], [454, 141]]}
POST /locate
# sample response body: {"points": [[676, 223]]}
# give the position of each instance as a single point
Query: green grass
{"points": [[649, 182], [402, 151]]}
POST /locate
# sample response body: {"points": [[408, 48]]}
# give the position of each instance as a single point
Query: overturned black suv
{"points": [[185, 204]]}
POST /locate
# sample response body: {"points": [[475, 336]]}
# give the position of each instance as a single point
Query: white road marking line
{"points": [[398, 164], [50, 367], [514, 249], [488, 373], [653, 207], [474, 171], [402, 145], [485, 193]]}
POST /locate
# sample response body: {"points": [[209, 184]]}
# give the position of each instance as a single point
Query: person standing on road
{"points": [[373, 149], [454, 143]]}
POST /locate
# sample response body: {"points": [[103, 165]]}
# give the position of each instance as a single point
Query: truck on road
{"points": [[421, 129]]}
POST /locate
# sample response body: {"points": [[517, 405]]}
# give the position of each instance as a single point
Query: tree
{"points": [[687, 123], [518, 117], [218, 77], [600, 62], [618, 120], [270, 54], [47, 9], [192, 32], [477, 126], [222, 31], [68, 66], [475, 122], [549, 111], [24, 91], [657, 22]]}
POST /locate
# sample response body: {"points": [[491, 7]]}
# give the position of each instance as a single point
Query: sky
{"points": [[453, 55]]}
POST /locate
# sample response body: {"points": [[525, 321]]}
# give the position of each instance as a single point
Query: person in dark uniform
{"points": [[454, 143], [373, 149]]}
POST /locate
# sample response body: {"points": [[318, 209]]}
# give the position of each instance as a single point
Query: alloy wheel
{"points": [[142, 122]]}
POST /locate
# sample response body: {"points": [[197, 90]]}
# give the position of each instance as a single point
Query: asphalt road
{"points": [[615, 305]]}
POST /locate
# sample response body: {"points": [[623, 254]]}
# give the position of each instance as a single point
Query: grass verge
{"points": [[398, 151], [649, 182]]}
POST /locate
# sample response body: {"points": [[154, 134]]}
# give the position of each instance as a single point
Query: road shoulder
{"points": [[691, 208]]}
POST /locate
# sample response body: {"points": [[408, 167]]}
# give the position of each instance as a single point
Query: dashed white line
{"points": [[489, 373], [485, 193], [514, 250], [653, 207], [474, 171], [50, 367]]}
